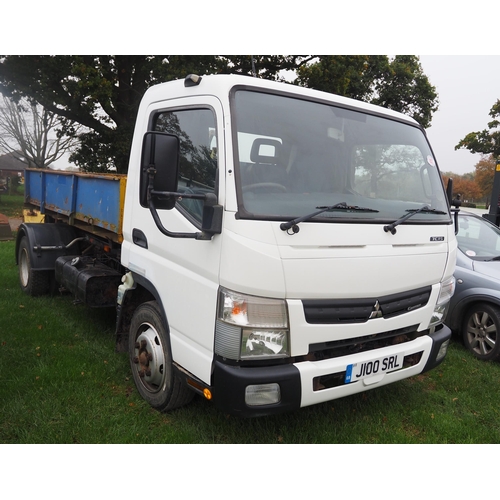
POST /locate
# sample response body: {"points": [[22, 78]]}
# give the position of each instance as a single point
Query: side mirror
{"points": [[159, 184], [159, 165], [454, 202], [449, 191]]}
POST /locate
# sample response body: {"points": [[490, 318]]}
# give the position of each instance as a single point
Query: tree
{"points": [[102, 93], [473, 186], [31, 132], [399, 84], [267, 67], [485, 172], [468, 188], [486, 142], [407, 89]]}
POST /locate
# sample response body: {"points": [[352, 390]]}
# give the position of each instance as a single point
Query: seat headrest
{"points": [[257, 156]]}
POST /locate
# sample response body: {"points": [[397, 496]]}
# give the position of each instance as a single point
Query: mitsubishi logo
{"points": [[376, 312]]}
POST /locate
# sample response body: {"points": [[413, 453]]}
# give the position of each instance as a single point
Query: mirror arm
{"points": [[209, 199], [456, 204], [204, 234], [178, 195], [165, 231], [151, 192]]}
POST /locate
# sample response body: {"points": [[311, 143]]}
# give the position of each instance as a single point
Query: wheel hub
{"points": [[23, 268], [483, 333], [149, 359]]}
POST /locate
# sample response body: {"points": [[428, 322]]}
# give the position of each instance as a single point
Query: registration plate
{"points": [[359, 371]]}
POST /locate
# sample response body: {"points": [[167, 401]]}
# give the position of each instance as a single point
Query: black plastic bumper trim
{"points": [[230, 382], [438, 338]]}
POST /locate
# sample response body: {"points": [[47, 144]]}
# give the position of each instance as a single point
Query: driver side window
{"points": [[196, 130]]}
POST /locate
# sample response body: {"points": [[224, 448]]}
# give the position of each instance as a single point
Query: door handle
{"points": [[139, 238]]}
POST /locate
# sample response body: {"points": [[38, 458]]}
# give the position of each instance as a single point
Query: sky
{"points": [[467, 86]]}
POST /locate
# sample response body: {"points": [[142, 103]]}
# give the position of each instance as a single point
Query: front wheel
{"points": [[481, 329], [151, 361]]}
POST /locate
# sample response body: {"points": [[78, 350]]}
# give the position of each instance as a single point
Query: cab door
{"points": [[185, 271]]}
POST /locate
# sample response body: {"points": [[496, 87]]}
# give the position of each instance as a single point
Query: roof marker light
{"points": [[192, 80]]}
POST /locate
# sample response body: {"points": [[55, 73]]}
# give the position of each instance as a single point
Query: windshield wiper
{"points": [[425, 208], [285, 226]]}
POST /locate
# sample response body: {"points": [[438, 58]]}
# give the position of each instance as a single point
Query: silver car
{"points": [[475, 307]]}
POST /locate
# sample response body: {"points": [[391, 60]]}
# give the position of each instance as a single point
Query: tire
{"points": [[480, 331], [32, 282], [151, 361]]}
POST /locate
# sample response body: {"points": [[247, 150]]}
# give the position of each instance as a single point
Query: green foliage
{"points": [[350, 76], [407, 89], [399, 84], [267, 67], [487, 141]]}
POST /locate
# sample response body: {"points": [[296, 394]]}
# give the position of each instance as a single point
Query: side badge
{"points": [[437, 238]]}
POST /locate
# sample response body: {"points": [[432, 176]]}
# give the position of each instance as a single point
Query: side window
{"points": [[196, 130], [477, 238]]}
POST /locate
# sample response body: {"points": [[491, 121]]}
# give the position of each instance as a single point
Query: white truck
{"points": [[272, 247]]}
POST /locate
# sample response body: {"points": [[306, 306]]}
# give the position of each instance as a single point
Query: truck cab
{"points": [[282, 246]]}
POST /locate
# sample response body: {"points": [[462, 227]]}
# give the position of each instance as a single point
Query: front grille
{"points": [[335, 311], [337, 348]]}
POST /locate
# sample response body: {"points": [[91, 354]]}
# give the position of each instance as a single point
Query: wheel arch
{"points": [[157, 378], [142, 291], [472, 298], [44, 235]]}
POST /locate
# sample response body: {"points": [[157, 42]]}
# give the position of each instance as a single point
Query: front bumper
{"points": [[298, 382], [230, 382]]}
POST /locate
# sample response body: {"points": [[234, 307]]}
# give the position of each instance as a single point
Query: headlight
{"points": [[443, 301], [251, 327]]}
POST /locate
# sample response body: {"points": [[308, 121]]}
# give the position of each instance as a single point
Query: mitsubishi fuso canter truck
{"points": [[271, 247]]}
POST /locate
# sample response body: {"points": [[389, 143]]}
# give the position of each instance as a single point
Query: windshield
{"points": [[293, 156], [477, 238]]}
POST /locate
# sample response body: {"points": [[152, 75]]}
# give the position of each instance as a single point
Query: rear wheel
{"points": [[151, 361], [481, 329], [33, 282]]}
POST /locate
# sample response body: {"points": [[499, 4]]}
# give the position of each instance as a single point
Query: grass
{"points": [[62, 382], [12, 205]]}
